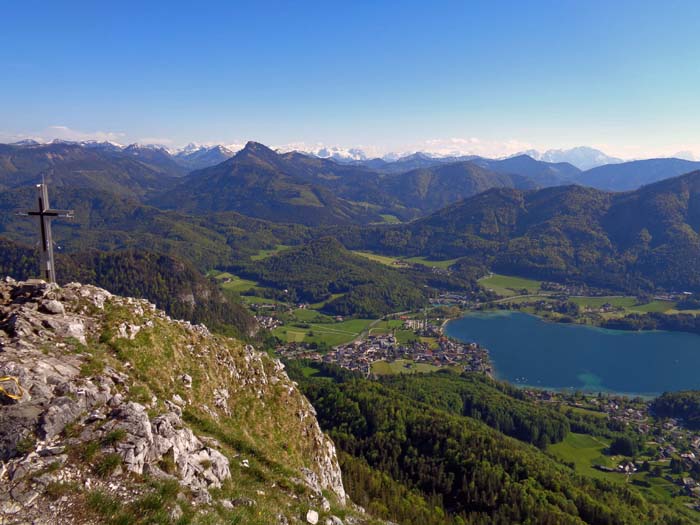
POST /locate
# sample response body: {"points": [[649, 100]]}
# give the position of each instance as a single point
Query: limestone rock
{"points": [[52, 306], [312, 517], [63, 410], [65, 404]]}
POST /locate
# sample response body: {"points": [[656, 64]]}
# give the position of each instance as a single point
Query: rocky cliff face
{"points": [[110, 410]]}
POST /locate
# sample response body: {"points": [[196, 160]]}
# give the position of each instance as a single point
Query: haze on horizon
{"points": [[487, 78]]}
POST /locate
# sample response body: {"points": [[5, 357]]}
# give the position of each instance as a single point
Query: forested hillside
{"points": [[322, 268], [259, 183], [171, 284], [417, 452], [684, 405], [137, 174], [105, 221], [629, 241]]}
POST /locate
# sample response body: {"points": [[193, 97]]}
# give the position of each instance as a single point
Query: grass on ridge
{"points": [[508, 285]]}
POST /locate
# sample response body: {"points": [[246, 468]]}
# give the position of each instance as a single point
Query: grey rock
{"points": [[312, 517], [134, 449], [50, 451], [17, 423], [115, 400], [63, 410], [52, 306], [243, 502]]}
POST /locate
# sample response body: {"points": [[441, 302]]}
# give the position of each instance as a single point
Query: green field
{"points": [[584, 411], [397, 261], [508, 286], [597, 302], [626, 302], [431, 263], [233, 282], [307, 315], [249, 299], [264, 254], [393, 325], [390, 219], [401, 366], [585, 451], [389, 261], [654, 306], [331, 333], [321, 304]]}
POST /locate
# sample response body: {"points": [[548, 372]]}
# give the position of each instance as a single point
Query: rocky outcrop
{"points": [[73, 409]]}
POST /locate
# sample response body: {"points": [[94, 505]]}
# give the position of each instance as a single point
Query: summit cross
{"points": [[46, 214]]}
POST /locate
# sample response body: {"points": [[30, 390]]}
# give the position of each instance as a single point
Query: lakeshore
{"points": [[527, 350]]}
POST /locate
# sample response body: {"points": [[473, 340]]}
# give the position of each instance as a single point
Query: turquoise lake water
{"points": [[527, 350]]}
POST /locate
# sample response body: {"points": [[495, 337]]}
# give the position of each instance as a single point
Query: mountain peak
{"points": [[256, 150], [26, 142]]}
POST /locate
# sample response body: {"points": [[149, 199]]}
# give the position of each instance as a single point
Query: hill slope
{"points": [[125, 416], [424, 450], [627, 241], [540, 172], [74, 166], [259, 183], [632, 175], [293, 187], [323, 267], [172, 284], [429, 189]]}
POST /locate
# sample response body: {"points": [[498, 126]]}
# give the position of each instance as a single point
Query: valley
{"points": [[359, 279], [350, 263]]}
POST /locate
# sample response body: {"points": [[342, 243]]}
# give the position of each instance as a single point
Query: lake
{"points": [[527, 350]]}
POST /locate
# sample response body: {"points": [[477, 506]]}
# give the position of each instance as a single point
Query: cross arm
{"points": [[60, 213]]}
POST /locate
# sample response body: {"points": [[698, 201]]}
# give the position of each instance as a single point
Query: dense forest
{"points": [[173, 285], [408, 447], [633, 242], [322, 268], [656, 321], [684, 405]]}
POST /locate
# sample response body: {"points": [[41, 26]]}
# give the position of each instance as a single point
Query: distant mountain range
{"points": [[133, 171], [634, 174], [494, 214], [293, 187], [303, 188], [583, 157], [197, 157]]}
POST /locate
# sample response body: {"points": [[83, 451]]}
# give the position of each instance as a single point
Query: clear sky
{"points": [[490, 77]]}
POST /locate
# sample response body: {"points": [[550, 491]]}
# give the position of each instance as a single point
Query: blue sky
{"points": [[491, 77]]}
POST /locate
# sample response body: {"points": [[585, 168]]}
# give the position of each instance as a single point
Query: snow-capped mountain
{"points": [[336, 153], [104, 145], [26, 142], [583, 157], [685, 155], [195, 156]]}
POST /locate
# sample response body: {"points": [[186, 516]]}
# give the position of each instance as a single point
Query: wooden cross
{"points": [[46, 214]]}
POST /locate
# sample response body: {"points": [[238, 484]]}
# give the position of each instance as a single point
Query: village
{"points": [[435, 350], [669, 450]]}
